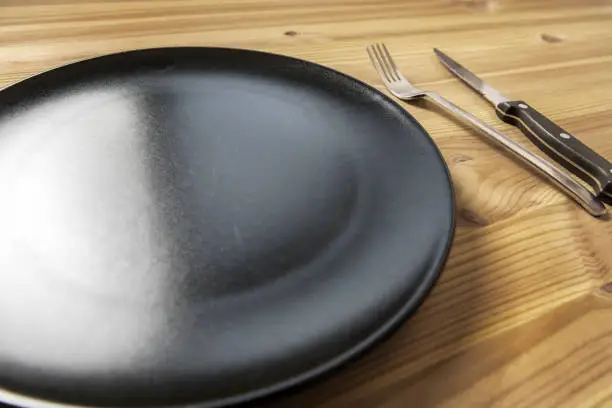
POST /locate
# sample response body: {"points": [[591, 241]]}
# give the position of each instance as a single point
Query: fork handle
{"points": [[559, 177]]}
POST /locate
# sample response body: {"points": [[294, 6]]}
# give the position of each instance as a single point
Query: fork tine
{"points": [[383, 63], [376, 62], [394, 69]]}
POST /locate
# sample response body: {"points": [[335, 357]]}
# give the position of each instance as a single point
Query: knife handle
{"points": [[561, 146], [556, 175]]}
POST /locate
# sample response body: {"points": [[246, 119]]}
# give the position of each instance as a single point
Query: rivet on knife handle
{"points": [[560, 145]]}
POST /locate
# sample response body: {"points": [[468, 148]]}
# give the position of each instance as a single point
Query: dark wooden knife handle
{"points": [[561, 146]]}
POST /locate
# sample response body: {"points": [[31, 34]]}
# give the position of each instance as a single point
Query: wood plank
{"points": [[520, 317]]}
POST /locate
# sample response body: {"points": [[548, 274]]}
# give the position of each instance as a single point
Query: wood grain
{"points": [[522, 314]]}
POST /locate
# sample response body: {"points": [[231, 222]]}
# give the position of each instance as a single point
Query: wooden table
{"points": [[522, 316]]}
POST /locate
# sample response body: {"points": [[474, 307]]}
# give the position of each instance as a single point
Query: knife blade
{"points": [[552, 139]]}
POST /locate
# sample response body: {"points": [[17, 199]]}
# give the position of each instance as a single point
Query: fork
{"points": [[399, 86]]}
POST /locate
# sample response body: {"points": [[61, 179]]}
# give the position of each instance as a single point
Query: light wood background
{"points": [[522, 316]]}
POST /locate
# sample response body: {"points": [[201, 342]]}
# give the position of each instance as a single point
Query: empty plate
{"points": [[202, 226]]}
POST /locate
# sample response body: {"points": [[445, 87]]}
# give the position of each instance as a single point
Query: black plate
{"points": [[205, 226]]}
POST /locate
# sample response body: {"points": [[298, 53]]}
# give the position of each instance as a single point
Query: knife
{"points": [[553, 140]]}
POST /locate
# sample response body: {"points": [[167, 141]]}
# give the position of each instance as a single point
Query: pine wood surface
{"points": [[522, 316]]}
